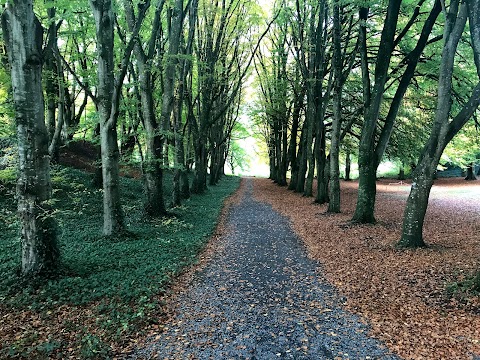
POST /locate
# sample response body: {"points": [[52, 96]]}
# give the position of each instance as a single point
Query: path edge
{"points": [[181, 281]]}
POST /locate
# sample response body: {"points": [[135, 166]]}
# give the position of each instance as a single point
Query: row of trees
{"points": [[374, 79], [160, 81]]}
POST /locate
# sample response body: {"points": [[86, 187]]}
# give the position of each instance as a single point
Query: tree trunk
{"points": [[367, 189], [284, 166], [334, 188], [444, 128], [292, 149], [470, 172], [200, 174], [23, 38], [348, 165], [302, 160], [152, 168], [55, 141], [369, 147], [178, 177], [280, 152], [417, 203], [113, 221], [309, 152], [322, 167], [364, 211], [51, 73], [170, 74]]}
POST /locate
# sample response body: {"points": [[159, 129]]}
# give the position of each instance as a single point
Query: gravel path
{"points": [[261, 298]]}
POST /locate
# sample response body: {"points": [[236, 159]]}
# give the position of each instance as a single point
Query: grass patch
{"points": [[107, 288], [465, 293]]}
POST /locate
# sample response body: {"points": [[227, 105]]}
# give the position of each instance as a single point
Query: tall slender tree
{"points": [[152, 166], [108, 104]]}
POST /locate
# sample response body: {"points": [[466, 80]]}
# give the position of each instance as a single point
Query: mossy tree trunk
{"points": [[107, 101], [113, 222], [23, 38], [170, 74], [152, 166], [373, 98], [181, 184]]}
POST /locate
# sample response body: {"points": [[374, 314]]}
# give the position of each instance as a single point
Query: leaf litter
{"points": [[408, 296]]}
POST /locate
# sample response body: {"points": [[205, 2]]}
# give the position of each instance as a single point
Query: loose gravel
{"points": [[261, 297]]}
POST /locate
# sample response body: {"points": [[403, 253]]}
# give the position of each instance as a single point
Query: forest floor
{"points": [[115, 294], [417, 301], [106, 292], [260, 297]]}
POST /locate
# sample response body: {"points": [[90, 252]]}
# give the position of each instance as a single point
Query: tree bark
{"points": [[364, 211], [302, 160], [152, 167], [108, 103], [470, 172], [292, 148], [181, 186], [178, 177], [334, 188], [170, 72], [200, 179], [23, 38], [309, 140], [444, 128], [348, 164], [113, 220], [51, 73], [55, 141], [370, 153]]}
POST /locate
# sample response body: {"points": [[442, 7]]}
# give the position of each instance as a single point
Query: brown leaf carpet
{"points": [[402, 294], [261, 297]]}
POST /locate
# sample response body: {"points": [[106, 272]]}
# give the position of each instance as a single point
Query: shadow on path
{"points": [[262, 298]]}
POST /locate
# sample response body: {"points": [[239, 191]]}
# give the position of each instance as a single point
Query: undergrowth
{"points": [[117, 279], [465, 293]]}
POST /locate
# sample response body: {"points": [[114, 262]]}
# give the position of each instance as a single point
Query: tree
{"points": [[108, 103], [181, 184], [222, 65], [274, 85], [309, 30], [171, 67], [444, 128], [342, 64], [152, 166], [23, 36], [372, 146]]}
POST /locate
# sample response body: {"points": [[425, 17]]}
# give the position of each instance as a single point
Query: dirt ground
{"points": [[404, 294]]}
